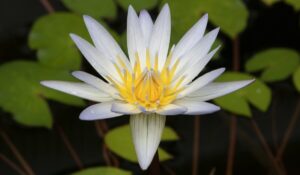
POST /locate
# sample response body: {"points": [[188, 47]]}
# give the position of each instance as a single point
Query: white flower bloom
{"points": [[152, 81]]}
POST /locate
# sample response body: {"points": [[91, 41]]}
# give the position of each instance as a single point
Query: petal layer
{"points": [[197, 107], [78, 89], [98, 111], [214, 90], [146, 133]]}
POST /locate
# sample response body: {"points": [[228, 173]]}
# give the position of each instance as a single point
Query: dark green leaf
{"points": [[119, 141], [50, 36], [22, 95], [138, 4], [258, 94], [277, 64], [102, 171], [95, 8]]}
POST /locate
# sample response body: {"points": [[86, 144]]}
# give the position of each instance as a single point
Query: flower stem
{"points": [[232, 144], [196, 145], [109, 158], [267, 149], [69, 146], [233, 120], [11, 164], [154, 168], [46, 4], [16, 153], [288, 132]]}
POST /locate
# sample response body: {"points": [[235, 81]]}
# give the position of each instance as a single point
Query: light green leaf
{"points": [[230, 15], [102, 171], [95, 8], [50, 37], [277, 64], [22, 95], [138, 4], [257, 94], [294, 3], [169, 134], [296, 78], [119, 141]]}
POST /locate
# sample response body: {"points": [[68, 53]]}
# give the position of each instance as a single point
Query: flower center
{"points": [[150, 88]]}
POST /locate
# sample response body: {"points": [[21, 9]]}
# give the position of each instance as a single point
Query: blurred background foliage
{"points": [[49, 53]]}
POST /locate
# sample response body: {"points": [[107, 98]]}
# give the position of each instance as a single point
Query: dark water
{"points": [[276, 26]]}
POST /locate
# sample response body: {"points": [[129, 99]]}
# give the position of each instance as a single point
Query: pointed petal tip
{"points": [[86, 17], [74, 37], [166, 5], [130, 8], [88, 20], [48, 83], [145, 164], [221, 70], [247, 82], [166, 8], [44, 83]]}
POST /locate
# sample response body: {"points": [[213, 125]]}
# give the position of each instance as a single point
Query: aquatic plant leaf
{"points": [[257, 94], [276, 64], [22, 95]]}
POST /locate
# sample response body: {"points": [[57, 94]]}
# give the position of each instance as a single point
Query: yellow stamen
{"points": [[149, 88]]}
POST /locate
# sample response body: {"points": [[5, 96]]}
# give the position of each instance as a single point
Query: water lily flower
{"points": [[150, 83]]}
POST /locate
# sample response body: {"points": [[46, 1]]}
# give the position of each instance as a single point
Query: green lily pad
{"points": [[102, 171], [296, 78], [186, 12], [95, 8], [294, 3], [119, 141], [50, 37], [257, 94], [138, 4], [22, 95], [276, 64]]}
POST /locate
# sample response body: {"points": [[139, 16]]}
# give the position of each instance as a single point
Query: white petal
{"points": [[99, 62], [214, 90], [197, 107], [190, 38], [98, 111], [146, 25], [125, 108], [146, 132], [95, 82], [199, 50], [104, 41], [200, 82], [190, 71], [78, 89], [135, 39], [171, 109], [160, 38]]}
